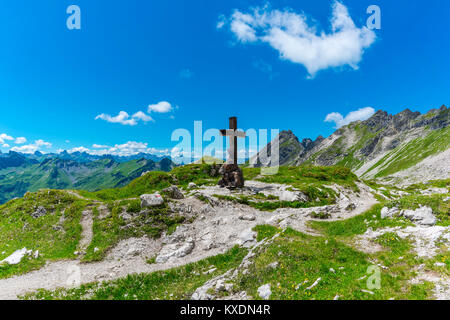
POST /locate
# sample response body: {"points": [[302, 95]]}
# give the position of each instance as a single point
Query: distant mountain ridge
{"points": [[20, 173], [379, 146], [84, 156]]}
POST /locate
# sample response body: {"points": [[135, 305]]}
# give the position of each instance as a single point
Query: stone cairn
{"points": [[232, 176]]}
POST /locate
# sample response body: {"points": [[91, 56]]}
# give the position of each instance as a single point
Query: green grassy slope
{"points": [[68, 174], [413, 152]]}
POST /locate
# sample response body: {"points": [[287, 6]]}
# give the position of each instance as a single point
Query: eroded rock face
{"points": [[151, 200], [232, 176]]}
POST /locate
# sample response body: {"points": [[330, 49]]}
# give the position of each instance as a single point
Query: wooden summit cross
{"points": [[233, 134]]}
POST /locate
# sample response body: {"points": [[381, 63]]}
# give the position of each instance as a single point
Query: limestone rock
{"points": [[174, 250], [173, 192], [423, 216], [265, 292], [16, 257], [151, 200]]}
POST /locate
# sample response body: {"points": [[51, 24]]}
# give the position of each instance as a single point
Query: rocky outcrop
{"points": [[173, 192], [362, 144], [151, 200], [290, 149]]}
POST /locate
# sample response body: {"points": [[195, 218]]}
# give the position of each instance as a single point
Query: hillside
{"points": [[306, 232], [20, 173], [378, 147]]}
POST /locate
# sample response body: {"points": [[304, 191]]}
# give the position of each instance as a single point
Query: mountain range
{"points": [[381, 146], [20, 173]]}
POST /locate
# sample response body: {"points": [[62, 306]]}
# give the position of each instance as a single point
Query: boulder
{"points": [[423, 216], [151, 200], [265, 292], [173, 192], [16, 257], [40, 212]]}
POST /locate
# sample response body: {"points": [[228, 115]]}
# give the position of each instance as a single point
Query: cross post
{"points": [[233, 134]]}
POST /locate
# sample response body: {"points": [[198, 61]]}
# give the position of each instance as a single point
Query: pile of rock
{"points": [[232, 176], [40, 212]]}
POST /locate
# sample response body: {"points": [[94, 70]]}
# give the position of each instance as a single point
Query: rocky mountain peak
{"points": [[361, 142], [378, 120]]}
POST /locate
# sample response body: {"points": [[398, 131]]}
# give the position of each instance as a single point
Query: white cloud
{"points": [[78, 149], [122, 118], [127, 149], [142, 116], [4, 137], [42, 143], [20, 140], [29, 148], [6, 145], [125, 119], [160, 107], [360, 114], [290, 34], [33, 147], [100, 146], [222, 21]]}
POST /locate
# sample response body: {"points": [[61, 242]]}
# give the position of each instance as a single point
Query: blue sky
{"points": [[207, 60]]}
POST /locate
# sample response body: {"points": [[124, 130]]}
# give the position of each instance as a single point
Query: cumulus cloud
{"points": [[125, 119], [360, 114], [142, 116], [78, 149], [297, 41], [4, 137], [38, 145], [42, 143], [126, 149], [20, 140], [29, 148], [122, 118], [100, 146], [160, 107], [6, 145]]}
